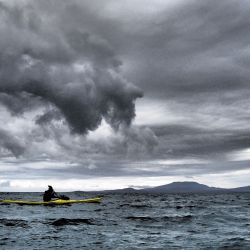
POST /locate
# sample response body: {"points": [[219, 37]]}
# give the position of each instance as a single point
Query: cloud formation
{"points": [[11, 144], [68, 77], [74, 71], [199, 51]]}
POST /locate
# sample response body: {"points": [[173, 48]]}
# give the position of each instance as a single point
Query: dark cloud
{"points": [[18, 103], [70, 66], [202, 143], [48, 116], [75, 71], [10, 145], [122, 168], [193, 52]]}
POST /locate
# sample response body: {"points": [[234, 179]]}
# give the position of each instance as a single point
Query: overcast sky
{"points": [[112, 94]]}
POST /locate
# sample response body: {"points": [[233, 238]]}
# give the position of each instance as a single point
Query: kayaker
{"points": [[49, 194]]}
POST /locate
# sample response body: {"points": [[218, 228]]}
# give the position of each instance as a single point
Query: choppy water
{"points": [[129, 221]]}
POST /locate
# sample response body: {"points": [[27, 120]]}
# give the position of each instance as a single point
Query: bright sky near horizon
{"points": [[112, 94]]}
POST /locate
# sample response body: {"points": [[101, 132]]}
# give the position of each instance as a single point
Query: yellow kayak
{"points": [[52, 202]]}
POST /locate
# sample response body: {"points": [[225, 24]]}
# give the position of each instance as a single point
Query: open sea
{"points": [[129, 221]]}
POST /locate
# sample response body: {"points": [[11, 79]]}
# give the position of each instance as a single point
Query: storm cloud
{"points": [[10, 144], [124, 88], [74, 71], [192, 49]]}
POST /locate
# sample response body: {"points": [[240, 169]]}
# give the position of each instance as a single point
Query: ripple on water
{"points": [[14, 223], [64, 221], [128, 222]]}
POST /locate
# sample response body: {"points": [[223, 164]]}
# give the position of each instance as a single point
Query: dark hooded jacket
{"points": [[49, 194]]}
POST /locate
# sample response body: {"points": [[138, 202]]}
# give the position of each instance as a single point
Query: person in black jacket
{"points": [[49, 194]]}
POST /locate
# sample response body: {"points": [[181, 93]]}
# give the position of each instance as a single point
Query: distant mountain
{"points": [[241, 189], [182, 187], [122, 191], [177, 187]]}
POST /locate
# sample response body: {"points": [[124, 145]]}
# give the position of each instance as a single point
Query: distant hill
{"points": [[241, 189], [179, 187], [182, 187], [122, 191]]}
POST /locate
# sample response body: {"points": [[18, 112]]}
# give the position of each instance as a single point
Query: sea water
{"points": [[129, 221]]}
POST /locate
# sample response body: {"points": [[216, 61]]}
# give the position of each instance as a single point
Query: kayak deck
{"points": [[52, 202]]}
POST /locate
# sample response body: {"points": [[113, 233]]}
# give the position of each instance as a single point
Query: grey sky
{"points": [[124, 89]]}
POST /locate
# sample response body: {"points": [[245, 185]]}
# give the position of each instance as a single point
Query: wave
{"points": [[161, 219], [64, 221], [14, 223]]}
